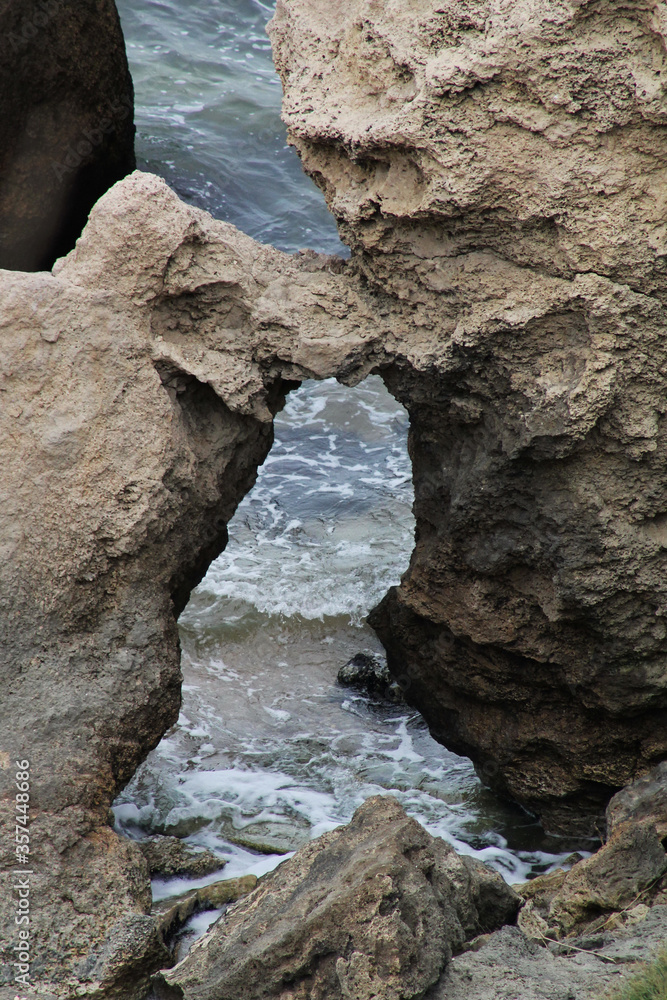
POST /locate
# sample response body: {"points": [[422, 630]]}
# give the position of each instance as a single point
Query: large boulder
{"points": [[66, 118], [137, 388], [498, 170], [372, 909]]}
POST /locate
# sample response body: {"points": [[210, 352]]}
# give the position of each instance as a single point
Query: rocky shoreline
{"points": [[497, 175], [380, 908]]}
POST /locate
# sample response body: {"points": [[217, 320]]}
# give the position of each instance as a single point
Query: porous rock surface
{"points": [[66, 119], [498, 170], [373, 909], [137, 387], [512, 967], [616, 885]]}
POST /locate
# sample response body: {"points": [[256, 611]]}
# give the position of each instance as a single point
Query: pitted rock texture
{"points": [[511, 966], [497, 169], [66, 118], [373, 909], [137, 387], [531, 129], [644, 801]]}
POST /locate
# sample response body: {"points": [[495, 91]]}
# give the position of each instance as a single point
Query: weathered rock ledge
{"points": [[581, 932], [497, 172]]}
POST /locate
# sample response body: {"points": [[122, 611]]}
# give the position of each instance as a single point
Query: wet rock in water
{"points": [[227, 891], [375, 908], [268, 838], [169, 857], [66, 119], [369, 673], [172, 914], [628, 871]]}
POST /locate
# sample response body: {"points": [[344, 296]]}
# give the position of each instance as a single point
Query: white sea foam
{"points": [[328, 541]]}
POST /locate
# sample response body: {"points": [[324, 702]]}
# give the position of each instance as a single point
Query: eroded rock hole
{"points": [[270, 750]]}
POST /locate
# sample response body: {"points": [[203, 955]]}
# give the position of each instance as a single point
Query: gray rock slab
{"points": [[169, 857], [511, 967], [372, 909]]}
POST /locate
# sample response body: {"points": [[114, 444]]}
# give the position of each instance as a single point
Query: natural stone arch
{"points": [[139, 381], [487, 163], [142, 384]]}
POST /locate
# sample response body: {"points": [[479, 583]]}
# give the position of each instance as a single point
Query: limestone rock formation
{"points": [[498, 169], [372, 909], [66, 118], [137, 387], [510, 965], [643, 801]]}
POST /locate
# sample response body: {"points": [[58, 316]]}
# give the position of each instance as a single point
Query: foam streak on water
{"points": [[328, 528]]}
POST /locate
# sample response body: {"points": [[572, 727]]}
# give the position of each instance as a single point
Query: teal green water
{"points": [[208, 118]]}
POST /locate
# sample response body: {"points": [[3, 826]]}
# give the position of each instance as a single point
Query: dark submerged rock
{"points": [[371, 674]]}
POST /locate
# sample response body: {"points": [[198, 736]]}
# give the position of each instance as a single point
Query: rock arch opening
{"points": [[270, 750]]}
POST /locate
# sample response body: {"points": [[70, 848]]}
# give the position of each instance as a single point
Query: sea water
{"points": [[208, 118], [269, 750]]}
